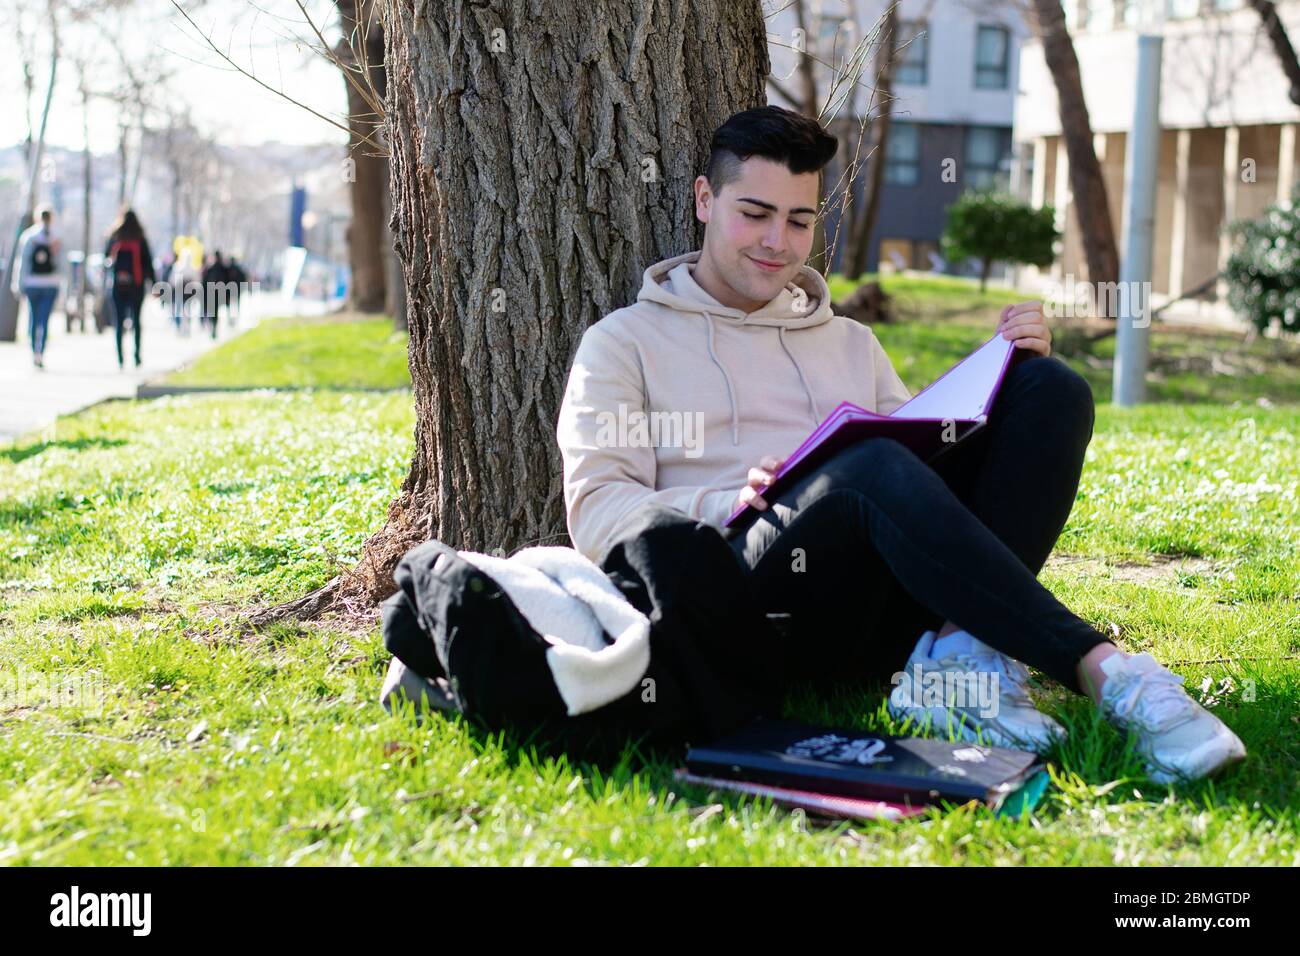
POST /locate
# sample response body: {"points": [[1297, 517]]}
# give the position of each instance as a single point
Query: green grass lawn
{"points": [[145, 725], [932, 296], [332, 351], [940, 316]]}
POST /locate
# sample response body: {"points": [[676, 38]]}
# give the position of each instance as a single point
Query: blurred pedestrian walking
{"points": [[183, 286], [37, 278], [215, 277], [129, 263], [236, 275]]}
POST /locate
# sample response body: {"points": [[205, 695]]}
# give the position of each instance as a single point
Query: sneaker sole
{"points": [[1216, 754]]}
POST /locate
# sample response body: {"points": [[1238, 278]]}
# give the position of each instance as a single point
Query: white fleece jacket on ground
{"points": [[573, 605], [677, 396]]}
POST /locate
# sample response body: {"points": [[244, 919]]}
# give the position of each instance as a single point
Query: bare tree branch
{"points": [[266, 86]]}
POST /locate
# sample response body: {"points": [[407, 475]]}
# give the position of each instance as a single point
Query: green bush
{"points": [[1263, 271], [995, 227]]}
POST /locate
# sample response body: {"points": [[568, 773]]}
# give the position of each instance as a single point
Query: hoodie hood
{"points": [[804, 302]]}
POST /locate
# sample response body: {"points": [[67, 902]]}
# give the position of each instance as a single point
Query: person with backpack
{"points": [[215, 289], [129, 264], [37, 278]]}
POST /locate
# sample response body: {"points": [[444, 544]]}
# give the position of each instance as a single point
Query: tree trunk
{"points": [[175, 198], [1086, 182], [542, 156], [864, 222], [820, 258], [78, 292], [8, 300], [368, 236], [139, 160], [1277, 36], [123, 162]]}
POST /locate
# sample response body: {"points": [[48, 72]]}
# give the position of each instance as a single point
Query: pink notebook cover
{"points": [[829, 804], [961, 396]]}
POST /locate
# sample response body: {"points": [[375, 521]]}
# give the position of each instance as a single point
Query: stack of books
{"points": [[849, 773]]}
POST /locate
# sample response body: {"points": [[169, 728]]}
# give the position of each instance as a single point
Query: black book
{"points": [[857, 763]]}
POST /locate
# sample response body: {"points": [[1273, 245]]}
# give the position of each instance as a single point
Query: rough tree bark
{"points": [[368, 236], [1090, 206], [394, 283], [542, 155]]}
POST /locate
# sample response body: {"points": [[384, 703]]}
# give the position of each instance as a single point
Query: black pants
{"points": [[126, 304], [876, 546]]}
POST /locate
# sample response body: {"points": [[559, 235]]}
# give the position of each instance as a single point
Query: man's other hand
{"points": [[759, 479], [1025, 325]]}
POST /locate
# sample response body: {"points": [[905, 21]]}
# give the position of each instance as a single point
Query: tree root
{"points": [[305, 608], [356, 592]]}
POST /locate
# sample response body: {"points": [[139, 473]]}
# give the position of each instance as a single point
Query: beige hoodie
{"points": [[676, 397]]}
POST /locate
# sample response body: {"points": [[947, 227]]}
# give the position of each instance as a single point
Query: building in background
{"points": [[1227, 141], [954, 95]]}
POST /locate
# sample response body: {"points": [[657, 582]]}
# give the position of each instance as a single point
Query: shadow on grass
{"points": [[19, 453], [1096, 763]]}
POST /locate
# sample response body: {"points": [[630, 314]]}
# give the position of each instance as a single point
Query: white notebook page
{"points": [[965, 391]]}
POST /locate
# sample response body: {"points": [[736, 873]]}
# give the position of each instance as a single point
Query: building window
{"points": [[992, 57], [983, 157], [914, 40], [903, 154]]}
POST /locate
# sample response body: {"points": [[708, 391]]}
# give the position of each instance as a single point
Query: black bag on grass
{"points": [[711, 648]]}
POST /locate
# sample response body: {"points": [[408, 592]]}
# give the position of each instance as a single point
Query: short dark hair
{"points": [[783, 136]]}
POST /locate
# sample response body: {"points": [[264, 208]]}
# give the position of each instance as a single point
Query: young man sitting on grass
{"points": [[874, 547]]}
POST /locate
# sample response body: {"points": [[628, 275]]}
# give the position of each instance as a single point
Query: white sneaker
{"points": [[1176, 736], [970, 694]]}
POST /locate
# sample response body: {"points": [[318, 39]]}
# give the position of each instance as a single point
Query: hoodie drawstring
{"points": [[812, 403], [731, 393]]}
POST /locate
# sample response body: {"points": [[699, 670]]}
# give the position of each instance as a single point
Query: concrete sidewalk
{"points": [[81, 368]]}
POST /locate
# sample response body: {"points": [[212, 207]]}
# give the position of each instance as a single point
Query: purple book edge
{"points": [[820, 434], [830, 804]]}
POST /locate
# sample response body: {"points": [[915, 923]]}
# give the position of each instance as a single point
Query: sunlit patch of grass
{"points": [[334, 351]]}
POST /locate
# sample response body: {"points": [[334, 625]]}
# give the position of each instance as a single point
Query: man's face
{"points": [[759, 227]]}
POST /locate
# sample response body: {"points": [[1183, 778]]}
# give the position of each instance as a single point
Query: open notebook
{"points": [[937, 417]]}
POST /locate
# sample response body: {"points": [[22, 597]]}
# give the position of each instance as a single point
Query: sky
{"points": [[265, 37]]}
